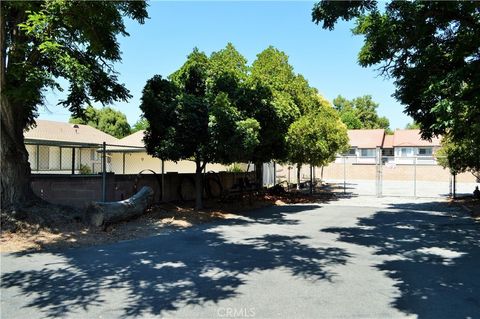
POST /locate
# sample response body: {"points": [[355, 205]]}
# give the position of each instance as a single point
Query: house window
{"points": [[93, 155], [425, 151], [352, 152], [367, 152], [405, 151]]}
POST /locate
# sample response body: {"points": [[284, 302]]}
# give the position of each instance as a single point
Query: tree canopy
{"points": [[431, 50], [41, 42], [360, 113], [105, 119], [191, 117]]}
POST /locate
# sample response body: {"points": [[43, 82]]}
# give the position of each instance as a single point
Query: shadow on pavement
{"points": [[163, 273], [437, 257]]}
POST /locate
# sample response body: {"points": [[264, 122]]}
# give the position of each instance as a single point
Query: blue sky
{"points": [[328, 59]]}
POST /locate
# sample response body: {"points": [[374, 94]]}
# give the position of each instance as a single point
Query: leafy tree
{"points": [[106, 119], [459, 157], [360, 113], [316, 137], [430, 49], [140, 125], [42, 41], [412, 126], [189, 121]]}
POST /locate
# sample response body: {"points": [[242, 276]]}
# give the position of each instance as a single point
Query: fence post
{"points": [[274, 173], [104, 172], [415, 177], [378, 163], [73, 160], [454, 186], [163, 181], [344, 174]]}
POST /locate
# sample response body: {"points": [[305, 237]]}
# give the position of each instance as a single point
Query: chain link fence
{"points": [[404, 176]]}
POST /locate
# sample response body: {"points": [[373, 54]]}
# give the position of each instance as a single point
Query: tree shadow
{"points": [[163, 273], [433, 254]]}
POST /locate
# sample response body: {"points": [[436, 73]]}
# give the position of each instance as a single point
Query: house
{"points": [[60, 148], [410, 147], [401, 147], [364, 145], [65, 148]]}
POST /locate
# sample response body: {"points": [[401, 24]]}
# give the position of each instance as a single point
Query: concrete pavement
{"points": [[384, 259]]}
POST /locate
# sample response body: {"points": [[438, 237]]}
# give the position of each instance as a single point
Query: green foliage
{"points": [[140, 125], [316, 137], [412, 126], [73, 40], [188, 120], [459, 157], [360, 113], [235, 168], [85, 169], [106, 119], [430, 49]]}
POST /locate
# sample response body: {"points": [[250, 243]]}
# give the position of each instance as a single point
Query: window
{"points": [[425, 151], [404, 152], [367, 152], [352, 152], [93, 155]]}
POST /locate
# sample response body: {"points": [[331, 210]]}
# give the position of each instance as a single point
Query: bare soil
{"points": [[471, 203], [30, 236]]}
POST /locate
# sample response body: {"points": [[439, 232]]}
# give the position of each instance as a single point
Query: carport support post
{"points": [[104, 172], [123, 167], [73, 160]]}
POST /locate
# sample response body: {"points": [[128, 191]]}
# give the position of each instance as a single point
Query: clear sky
{"points": [[328, 59]]}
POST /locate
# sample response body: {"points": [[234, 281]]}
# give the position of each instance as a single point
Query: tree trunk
{"points": [[198, 185], [104, 213], [259, 174], [299, 166], [311, 179], [15, 180]]}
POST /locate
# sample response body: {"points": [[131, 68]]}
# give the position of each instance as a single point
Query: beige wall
{"points": [[136, 162]]}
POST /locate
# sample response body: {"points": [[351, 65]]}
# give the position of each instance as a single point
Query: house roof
{"points": [[388, 141], [366, 138], [52, 132], [412, 138], [131, 143]]}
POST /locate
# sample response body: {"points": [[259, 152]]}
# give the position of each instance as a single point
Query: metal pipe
{"points": [[104, 172], [344, 174], [415, 177], [73, 160], [163, 179]]}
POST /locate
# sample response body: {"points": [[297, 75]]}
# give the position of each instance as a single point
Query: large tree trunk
{"points": [[101, 213], [15, 180], [198, 185], [259, 174]]}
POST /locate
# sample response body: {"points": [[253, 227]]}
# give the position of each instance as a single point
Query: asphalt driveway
{"points": [[380, 259]]}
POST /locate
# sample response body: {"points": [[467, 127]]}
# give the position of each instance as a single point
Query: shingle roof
{"points": [[131, 143], [388, 141], [54, 132], [366, 138], [412, 138]]}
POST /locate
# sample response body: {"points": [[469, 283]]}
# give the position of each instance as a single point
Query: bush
{"points": [[85, 169], [235, 168]]}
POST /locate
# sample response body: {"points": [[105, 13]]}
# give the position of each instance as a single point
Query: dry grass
{"points": [[25, 236]]}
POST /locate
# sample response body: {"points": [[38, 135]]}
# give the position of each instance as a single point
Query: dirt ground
{"points": [[160, 218], [470, 203]]}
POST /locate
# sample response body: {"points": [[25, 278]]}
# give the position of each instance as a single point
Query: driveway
{"points": [[357, 258]]}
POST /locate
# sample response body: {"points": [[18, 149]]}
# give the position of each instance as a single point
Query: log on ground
{"points": [[104, 213]]}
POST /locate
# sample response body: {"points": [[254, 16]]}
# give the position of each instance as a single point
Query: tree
{"points": [[459, 157], [106, 119], [42, 41], [316, 137], [360, 113], [430, 49], [412, 126], [140, 125], [188, 121]]}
